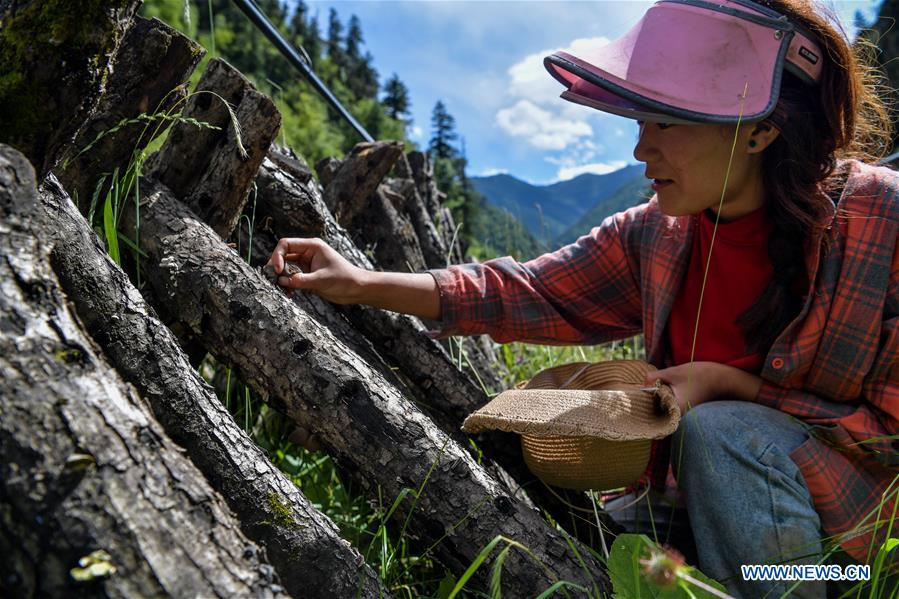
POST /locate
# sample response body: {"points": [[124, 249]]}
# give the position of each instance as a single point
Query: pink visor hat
{"points": [[691, 61]]}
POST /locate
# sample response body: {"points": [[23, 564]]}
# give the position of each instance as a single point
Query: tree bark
{"points": [[421, 172], [387, 234], [87, 472], [368, 210], [435, 250], [153, 60], [423, 175], [212, 170], [365, 424], [54, 63], [425, 394], [349, 184], [303, 545]]}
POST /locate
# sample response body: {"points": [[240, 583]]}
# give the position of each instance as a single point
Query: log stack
{"points": [[116, 453]]}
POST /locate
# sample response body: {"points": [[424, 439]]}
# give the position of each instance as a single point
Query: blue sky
{"points": [[483, 59]]}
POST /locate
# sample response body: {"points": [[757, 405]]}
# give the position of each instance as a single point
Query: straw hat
{"points": [[584, 426]]}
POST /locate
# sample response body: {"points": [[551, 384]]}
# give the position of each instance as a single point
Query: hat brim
{"points": [[684, 61], [603, 400]]}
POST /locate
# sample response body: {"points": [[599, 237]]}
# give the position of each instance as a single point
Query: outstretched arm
{"points": [[584, 293], [328, 274]]}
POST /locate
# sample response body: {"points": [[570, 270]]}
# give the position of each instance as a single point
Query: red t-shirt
{"points": [[740, 270]]}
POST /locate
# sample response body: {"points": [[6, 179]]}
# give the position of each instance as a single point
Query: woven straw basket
{"points": [[584, 426]]}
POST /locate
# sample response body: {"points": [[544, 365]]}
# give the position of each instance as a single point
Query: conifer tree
{"points": [[335, 39], [353, 39], [312, 42], [396, 99], [274, 10], [274, 65], [298, 28], [302, 33], [362, 78], [443, 132], [365, 78], [445, 159]]}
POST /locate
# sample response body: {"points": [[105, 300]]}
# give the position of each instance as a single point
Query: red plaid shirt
{"points": [[836, 366]]}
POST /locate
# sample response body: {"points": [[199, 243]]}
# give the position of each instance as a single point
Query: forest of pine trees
{"points": [[312, 129]]}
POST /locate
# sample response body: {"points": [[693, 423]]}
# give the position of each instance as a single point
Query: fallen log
{"points": [[350, 182], [425, 395], [54, 62], [387, 233], [152, 62], [379, 222], [433, 247], [407, 202], [365, 424], [423, 175], [421, 172], [302, 544], [368, 210], [212, 170], [94, 497]]}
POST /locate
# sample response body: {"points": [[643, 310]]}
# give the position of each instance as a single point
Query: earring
{"points": [[752, 143]]}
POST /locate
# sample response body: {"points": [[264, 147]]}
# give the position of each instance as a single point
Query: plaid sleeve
{"points": [[583, 293]]}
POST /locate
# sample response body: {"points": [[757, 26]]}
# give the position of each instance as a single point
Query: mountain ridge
{"points": [[551, 212]]}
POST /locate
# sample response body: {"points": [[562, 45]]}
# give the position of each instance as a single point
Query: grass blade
{"points": [[497, 574], [109, 228], [487, 550]]}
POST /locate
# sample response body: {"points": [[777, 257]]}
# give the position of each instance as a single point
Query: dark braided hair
{"points": [[841, 117]]}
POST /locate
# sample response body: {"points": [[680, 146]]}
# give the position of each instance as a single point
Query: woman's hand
{"points": [[324, 271], [330, 275], [698, 382]]}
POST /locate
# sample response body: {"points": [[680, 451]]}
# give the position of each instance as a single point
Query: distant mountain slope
{"points": [[498, 233], [547, 212], [630, 194]]}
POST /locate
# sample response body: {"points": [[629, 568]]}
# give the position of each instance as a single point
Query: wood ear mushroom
{"points": [[290, 269]]}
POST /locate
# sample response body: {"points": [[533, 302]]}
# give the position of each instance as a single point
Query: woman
{"points": [[763, 273]]}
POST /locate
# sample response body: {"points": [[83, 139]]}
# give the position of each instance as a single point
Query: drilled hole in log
{"points": [[301, 347], [504, 505], [239, 311]]}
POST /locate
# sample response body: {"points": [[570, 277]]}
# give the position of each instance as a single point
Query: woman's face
{"points": [[688, 164]]}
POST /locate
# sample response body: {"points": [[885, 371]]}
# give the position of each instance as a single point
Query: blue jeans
{"points": [[746, 501]]}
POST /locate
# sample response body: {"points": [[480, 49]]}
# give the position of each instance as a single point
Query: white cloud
{"points": [[539, 115], [529, 78], [596, 168], [416, 132], [539, 127]]}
